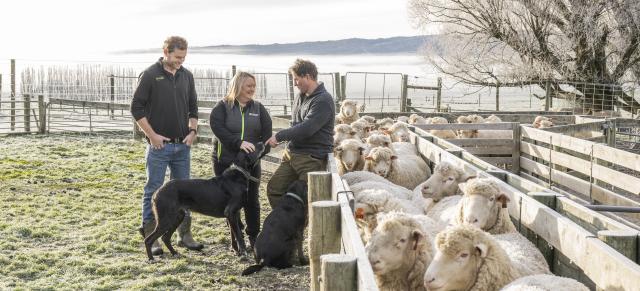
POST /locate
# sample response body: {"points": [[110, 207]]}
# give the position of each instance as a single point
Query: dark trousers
{"points": [[294, 166], [251, 203]]}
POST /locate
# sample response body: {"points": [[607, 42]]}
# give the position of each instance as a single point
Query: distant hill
{"points": [[351, 46]]}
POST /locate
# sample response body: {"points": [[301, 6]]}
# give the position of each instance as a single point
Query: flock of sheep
{"points": [[446, 230]]}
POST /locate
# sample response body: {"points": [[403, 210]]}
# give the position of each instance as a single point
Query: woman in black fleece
{"points": [[238, 122]]}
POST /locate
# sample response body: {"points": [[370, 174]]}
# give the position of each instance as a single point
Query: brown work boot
{"points": [[145, 230], [184, 236]]}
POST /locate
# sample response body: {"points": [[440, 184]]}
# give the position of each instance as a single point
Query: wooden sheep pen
{"points": [[575, 240]]}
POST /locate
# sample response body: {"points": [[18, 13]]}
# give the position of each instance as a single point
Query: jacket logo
{"points": [[254, 114], [159, 78]]}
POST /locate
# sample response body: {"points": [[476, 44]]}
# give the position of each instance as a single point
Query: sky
{"points": [[67, 28]]}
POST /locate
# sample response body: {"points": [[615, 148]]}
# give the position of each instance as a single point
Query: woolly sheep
{"points": [[442, 133], [403, 118], [349, 156], [399, 252], [404, 148], [545, 283], [408, 171], [525, 257], [356, 177], [417, 119], [370, 202], [485, 207], [399, 132], [542, 122], [445, 210], [342, 132], [369, 119], [385, 123], [467, 133], [492, 119], [348, 112], [495, 134], [444, 181], [379, 140], [397, 191], [361, 129], [468, 258]]}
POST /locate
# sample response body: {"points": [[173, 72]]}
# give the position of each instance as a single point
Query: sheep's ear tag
{"points": [[481, 249], [503, 199], [359, 213]]}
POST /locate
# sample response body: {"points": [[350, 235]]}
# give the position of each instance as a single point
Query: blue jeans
{"points": [[175, 156]]}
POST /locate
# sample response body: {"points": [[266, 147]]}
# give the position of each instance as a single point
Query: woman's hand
{"points": [[247, 147]]}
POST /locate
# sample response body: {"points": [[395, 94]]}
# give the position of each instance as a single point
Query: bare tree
{"points": [[490, 42]]}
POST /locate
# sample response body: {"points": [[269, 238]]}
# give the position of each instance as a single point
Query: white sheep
{"points": [[492, 119], [468, 258], [342, 132], [404, 148], [385, 123], [441, 133], [369, 119], [408, 171], [525, 257], [399, 251], [417, 119], [445, 210], [399, 132], [361, 128], [403, 118], [397, 191], [485, 207], [467, 133], [349, 156], [370, 202], [545, 283], [444, 181], [356, 177], [348, 112], [495, 134], [542, 122]]}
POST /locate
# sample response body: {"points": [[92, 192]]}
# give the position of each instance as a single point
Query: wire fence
{"points": [[379, 91]]}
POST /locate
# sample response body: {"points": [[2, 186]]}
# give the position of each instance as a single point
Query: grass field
{"points": [[70, 209]]}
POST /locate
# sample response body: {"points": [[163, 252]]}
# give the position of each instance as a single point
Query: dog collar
{"points": [[243, 171], [294, 196]]}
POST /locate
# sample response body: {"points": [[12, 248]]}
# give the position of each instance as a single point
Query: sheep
{"points": [[342, 132], [403, 118], [397, 191], [349, 155], [399, 132], [399, 251], [445, 210], [361, 128], [542, 122], [404, 148], [484, 207], [409, 171], [467, 133], [370, 202], [444, 181], [348, 112], [379, 140], [545, 282], [356, 177], [385, 123], [525, 257], [417, 119], [442, 133], [369, 119], [468, 258], [495, 134]]}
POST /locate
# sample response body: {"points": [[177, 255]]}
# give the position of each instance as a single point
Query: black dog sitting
{"points": [[218, 197], [283, 231]]}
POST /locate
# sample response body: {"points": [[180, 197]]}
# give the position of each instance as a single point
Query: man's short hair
{"points": [[304, 67], [175, 42]]}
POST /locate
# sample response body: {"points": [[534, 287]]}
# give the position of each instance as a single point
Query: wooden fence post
{"points": [[1, 92], [498, 173], [319, 186], [13, 95], [338, 88], [515, 163], [439, 95], [610, 132], [338, 272], [233, 70], [42, 113], [26, 109], [404, 93], [625, 242], [548, 199], [291, 91], [343, 86], [324, 235]]}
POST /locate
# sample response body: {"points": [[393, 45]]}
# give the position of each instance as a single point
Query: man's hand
{"points": [[191, 137], [247, 147], [157, 141], [272, 141]]}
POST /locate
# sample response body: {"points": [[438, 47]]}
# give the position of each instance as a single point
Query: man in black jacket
{"points": [[165, 108], [310, 136]]}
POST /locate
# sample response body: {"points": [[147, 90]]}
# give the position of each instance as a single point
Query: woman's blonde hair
{"points": [[236, 86]]}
